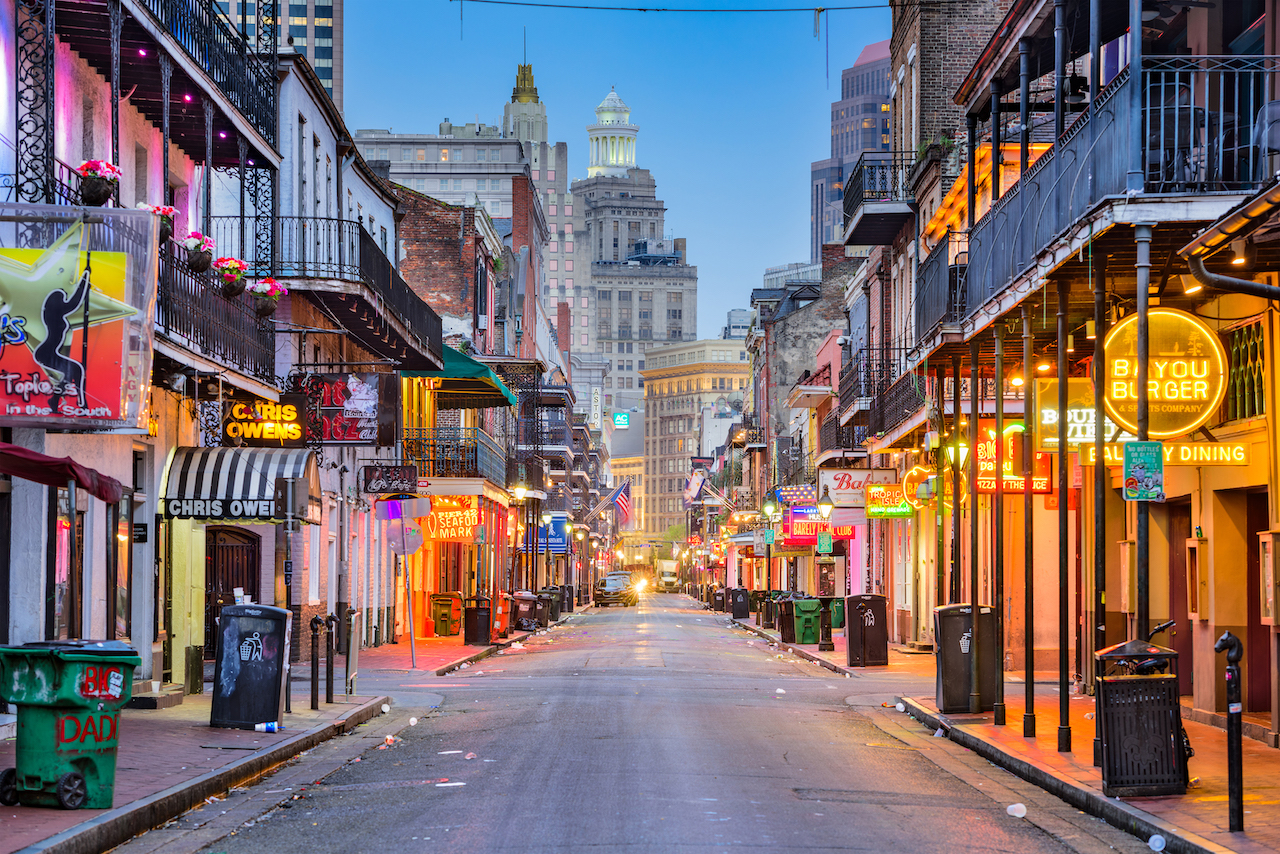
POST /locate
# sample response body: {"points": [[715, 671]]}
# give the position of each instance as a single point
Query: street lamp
{"points": [[825, 504], [546, 527], [768, 509]]}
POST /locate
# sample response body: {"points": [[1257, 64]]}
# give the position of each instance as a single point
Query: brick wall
{"points": [[438, 252]]}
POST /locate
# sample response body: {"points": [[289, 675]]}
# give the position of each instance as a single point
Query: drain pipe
{"points": [[1229, 283]]}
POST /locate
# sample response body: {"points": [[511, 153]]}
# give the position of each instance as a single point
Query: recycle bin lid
{"points": [[1135, 649], [81, 647]]}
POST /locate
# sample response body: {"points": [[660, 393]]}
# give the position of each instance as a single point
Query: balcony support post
{"points": [[955, 480], [940, 547], [1028, 539], [1059, 68], [1024, 104], [996, 154], [207, 206], [116, 16], [1064, 482], [997, 516], [975, 600], [36, 181], [1097, 272], [166, 87], [972, 127], [1142, 234], [243, 146], [1137, 169]]}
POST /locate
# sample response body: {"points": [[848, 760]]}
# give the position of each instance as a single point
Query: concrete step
{"points": [[170, 694]]}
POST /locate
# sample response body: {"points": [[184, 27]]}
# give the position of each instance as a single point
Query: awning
{"points": [[466, 384], [239, 484], [31, 465]]}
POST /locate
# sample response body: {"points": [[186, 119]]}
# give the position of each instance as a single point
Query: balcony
{"points": [[877, 197], [940, 286], [455, 452], [903, 398], [864, 377], [834, 437], [340, 266], [1204, 131], [192, 312]]}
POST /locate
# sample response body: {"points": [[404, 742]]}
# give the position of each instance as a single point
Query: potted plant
{"points": [[232, 272], [166, 214], [199, 251], [266, 296], [98, 181]]}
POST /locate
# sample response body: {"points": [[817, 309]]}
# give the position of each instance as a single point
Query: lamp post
{"points": [[767, 509], [825, 504], [519, 491], [546, 527], [580, 536]]}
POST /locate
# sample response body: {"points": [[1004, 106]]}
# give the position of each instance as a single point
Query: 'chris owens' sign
{"points": [[265, 424]]}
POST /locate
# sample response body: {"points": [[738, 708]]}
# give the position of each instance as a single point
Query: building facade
{"points": [[313, 28]]}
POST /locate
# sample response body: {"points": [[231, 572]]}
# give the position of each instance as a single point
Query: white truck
{"points": [[668, 580]]}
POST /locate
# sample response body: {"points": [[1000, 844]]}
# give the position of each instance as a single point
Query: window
{"points": [[554, 282], [646, 314], [646, 296], [421, 155], [568, 283], [675, 298], [406, 153], [480, 155], [536, 173], [568, 210], [568, 226], [624, 296], [554, 264], [568, 265], [568, 246], [554, 246], [457, 184], [495, 155], [582, 302], [675, 314], [584, 321], [604, 296], [444, 155], [585, 339], [608, 382], [551, 176]]}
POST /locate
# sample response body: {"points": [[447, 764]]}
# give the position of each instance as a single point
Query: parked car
{"points": [[616, 590]]}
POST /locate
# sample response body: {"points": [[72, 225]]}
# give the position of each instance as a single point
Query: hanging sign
{"points": [[380, 479], [988, 449], [1186, 373], [1180, 454], [352, 408], [1079, 418], [887, 501], [259, 423], [846, 486], [76, 325], [453, 518], [1143, 472]]}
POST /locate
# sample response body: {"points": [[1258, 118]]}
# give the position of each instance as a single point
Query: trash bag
{"points": [[527, 624]]}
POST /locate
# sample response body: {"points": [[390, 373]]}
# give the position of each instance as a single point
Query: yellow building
{"points": [[632, 469], [693, 393]]}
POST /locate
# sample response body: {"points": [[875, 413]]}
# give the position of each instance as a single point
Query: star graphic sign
{"points": [[25, 288]]}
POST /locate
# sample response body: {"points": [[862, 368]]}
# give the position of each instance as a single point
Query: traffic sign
{"points": [[824, 542], [768, 536]]}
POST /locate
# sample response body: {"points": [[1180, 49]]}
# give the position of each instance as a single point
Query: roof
{"points": [[873, 53], [466, 383]]}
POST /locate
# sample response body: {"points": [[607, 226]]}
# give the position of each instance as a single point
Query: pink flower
{"points": [[197, 242], [269, 288], [100, 169]]}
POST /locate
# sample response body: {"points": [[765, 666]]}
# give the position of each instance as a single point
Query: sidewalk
{"points": [[1195, 822]]}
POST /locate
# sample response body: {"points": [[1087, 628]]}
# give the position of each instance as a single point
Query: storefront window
{"points": [[119, 567], [66, 567]]}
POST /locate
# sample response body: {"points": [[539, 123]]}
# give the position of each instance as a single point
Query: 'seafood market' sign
{"points": [[1186, 373]]}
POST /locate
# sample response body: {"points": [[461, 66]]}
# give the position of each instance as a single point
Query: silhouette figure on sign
{"points": [[49, 355]]}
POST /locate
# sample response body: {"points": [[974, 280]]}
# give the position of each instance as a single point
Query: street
{"points": [[651, 728]]}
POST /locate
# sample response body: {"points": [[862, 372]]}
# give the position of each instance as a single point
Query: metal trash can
{"points": [[524, 610], [741, 603], [785, 619], [475, 621], [717, 599], [570, 595], [250, 667], [953, 637], [1140, 723], [866, 630], [542, 609], [446, 613], [806, 614], [68, 696], [554, 597]]}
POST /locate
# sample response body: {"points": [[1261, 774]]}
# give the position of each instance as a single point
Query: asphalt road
{"points": [[652, 728]]}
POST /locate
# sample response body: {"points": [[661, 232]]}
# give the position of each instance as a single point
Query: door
{"points": [[232, 559], [65, 561], [1257, 639], [1179, 637]]}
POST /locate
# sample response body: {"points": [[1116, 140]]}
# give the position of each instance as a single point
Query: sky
{"points": [[732, 107]]}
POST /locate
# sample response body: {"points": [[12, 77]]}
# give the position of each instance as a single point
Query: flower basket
{"points": [[166, 229], [96, 191], [231, 270], [200, 262], [264, 306]]}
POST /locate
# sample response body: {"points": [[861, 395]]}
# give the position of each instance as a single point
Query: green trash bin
{"points": [[808, 614], [68, 695], [446, 613], [837, 613]]}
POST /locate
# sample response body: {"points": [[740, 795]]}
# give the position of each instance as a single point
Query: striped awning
{"points": [[239, 484]]}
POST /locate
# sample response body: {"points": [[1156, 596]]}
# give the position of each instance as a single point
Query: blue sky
{"points": [[732, 108]]}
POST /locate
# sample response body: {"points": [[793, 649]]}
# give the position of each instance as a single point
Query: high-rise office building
{"points": [[859, 123], [312, 27], [737, 322]]}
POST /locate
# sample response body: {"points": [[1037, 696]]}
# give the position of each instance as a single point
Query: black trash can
{"points": [[867, 630], [542, 609], [741, 603], [251, 666], [717, 599], [1140, 722], [475, 621], [524, 611], [554, 597], [784, 616], [953, 640], [566, 605]]}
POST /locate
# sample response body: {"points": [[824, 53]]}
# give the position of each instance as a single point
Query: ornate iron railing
{"points": [[867, 374], [878, 176], [898, 402], [833, 436], [191, 311], [455, 452], [940, 294]]}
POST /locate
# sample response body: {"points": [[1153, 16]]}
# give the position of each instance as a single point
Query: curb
{"points": [[491, 649], [1113, 811], [119, 825], [793, 649]]}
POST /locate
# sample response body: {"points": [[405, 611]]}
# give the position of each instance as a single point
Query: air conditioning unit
{"points": [[482, 322]]}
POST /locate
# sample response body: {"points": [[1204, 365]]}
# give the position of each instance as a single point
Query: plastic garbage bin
{"points": [[717, 599], [1140, 722], [741, 603], [542, 609], [251, 665], [953, 636], [837, 613], [446, 613], [524, 614], [570, 595], [475, 621], [785, 617], [867, 631], [555, 596], [68, 696], [502, 616], [806, 613]]}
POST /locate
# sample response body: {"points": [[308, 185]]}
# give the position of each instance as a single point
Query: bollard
{"points": [[330, 650], [825, 643], [316, 624], [1230, 644]]}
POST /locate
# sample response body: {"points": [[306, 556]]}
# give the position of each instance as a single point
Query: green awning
{"points": [[466, 383]]}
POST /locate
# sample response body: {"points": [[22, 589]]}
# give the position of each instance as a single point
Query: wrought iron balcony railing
{"points": [[455, 452], [878, 176], [940, 285], [833, 436]]}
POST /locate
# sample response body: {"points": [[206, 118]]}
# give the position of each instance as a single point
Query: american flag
{"points": [[622, 500]]}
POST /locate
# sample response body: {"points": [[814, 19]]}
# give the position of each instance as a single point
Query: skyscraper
{"points": [[859, 123], [312, 27]]}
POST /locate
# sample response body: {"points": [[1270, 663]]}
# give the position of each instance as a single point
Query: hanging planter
{"points": [[231, 271], [266, 296], [166, 214], [199, 251], [98, 182]]}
